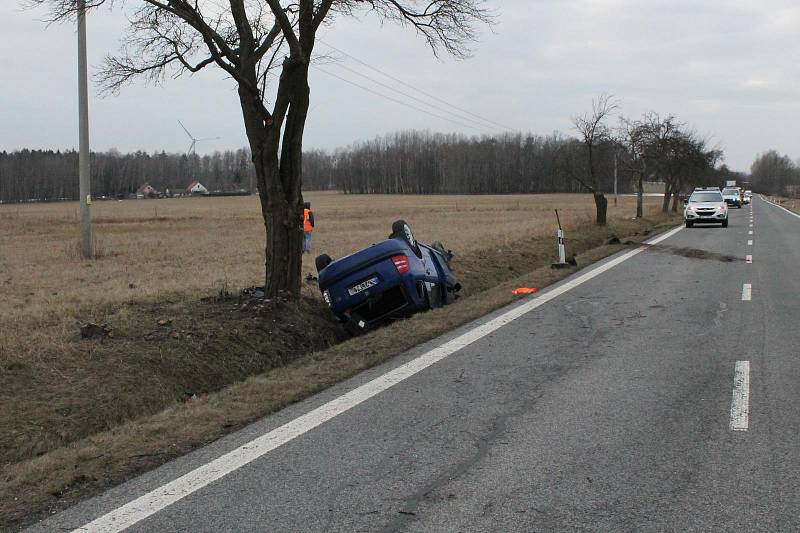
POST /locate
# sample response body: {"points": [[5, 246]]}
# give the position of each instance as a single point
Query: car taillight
{"points": [[401, 263]]}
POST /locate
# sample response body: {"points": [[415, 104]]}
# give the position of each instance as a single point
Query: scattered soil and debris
{"points": [[90, 330], [695, 253]]}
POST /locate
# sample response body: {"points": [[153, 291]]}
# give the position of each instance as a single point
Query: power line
{"points": [[395, 100], [429, 95], [411, 96]]}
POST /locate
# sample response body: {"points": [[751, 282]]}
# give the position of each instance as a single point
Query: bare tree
{"points": [[685, 161], [259, 44], [645, 140], [593, 130]]}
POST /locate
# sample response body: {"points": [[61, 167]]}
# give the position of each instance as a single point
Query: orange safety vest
{"points": [[307, 227]]}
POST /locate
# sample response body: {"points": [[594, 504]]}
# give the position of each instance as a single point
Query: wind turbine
{"points": [[192, 153], [194, 140]]}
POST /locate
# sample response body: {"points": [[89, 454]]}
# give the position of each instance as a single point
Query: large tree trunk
{"points": [[601, 204], [675, 199], [640, 196], [284, 243], [667, 196], [279, 180]]}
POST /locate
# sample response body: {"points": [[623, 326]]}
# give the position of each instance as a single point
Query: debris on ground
{"points": [[165, 322], [310, 279], [189, 397], [572, 260], [524, 290], [90, 330], [613, 239], [254, 292]]}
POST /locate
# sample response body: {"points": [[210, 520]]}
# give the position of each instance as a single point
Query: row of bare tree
{"points": [[650, 148], [421, 162], [53, 175]]}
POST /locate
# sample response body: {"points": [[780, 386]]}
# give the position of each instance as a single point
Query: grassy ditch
{"points": [[124, 409]]}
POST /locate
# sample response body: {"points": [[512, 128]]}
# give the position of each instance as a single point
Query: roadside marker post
{"points": [[562, 249]]}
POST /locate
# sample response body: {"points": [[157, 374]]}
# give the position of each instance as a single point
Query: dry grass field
{"points": [[163, 259], [197, 246]]}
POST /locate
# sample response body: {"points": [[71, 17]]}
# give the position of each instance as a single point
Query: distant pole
{"points": [[83, 133], [615, 178]]}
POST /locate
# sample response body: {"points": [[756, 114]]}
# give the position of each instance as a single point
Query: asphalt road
{"points": [[614, 406]]}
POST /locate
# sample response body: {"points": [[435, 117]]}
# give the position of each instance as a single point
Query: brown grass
{"points": [[68, 398], [196, 245]]}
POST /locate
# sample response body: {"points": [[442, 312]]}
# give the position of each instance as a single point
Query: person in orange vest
{"points": [[308, 227]]}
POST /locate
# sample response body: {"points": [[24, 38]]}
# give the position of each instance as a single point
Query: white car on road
{"points": [[706, 205]]}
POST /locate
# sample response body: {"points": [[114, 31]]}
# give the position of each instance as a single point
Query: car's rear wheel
{"points": [[401, 229], [322, 261]]}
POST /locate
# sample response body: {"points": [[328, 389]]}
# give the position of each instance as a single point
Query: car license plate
{"points": [[361, 287]]}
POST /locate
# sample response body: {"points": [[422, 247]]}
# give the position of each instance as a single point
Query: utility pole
{"points": [[85, 189], [615, 178]]}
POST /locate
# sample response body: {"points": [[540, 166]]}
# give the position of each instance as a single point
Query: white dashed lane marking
{"points": [[749, 259], [747, 292], [740, 404]]}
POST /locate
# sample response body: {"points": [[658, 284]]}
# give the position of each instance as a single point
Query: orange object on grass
{"points": [[524, 290]]}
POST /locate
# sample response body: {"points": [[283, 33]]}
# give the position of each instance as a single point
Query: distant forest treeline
{"points": [[418, 162], [411, 162], [773, 173], [53, 175]]}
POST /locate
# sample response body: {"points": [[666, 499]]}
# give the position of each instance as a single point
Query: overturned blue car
{"points": [[389, 280]]}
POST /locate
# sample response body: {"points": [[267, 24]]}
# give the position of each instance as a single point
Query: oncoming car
{"points": [[706, 205], [732, 196], [392, 279]]}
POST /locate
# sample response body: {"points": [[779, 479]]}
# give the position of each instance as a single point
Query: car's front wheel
{"points": [[689, 224], [322, 261], [725, 223]]}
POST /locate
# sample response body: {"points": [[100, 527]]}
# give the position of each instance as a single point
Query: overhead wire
{"points": [[419, 100], [410, 86], [398, 101]]}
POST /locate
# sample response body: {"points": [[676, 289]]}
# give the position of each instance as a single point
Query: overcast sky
{"points": [[730, 68]]}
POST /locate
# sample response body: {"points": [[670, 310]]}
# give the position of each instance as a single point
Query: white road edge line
{"points": [[148, 504], [780, 207], [749, 259], [740, 404], [747, 292]]}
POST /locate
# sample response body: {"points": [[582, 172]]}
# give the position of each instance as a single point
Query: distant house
{"points": [[196, 187], [146, 191]]}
